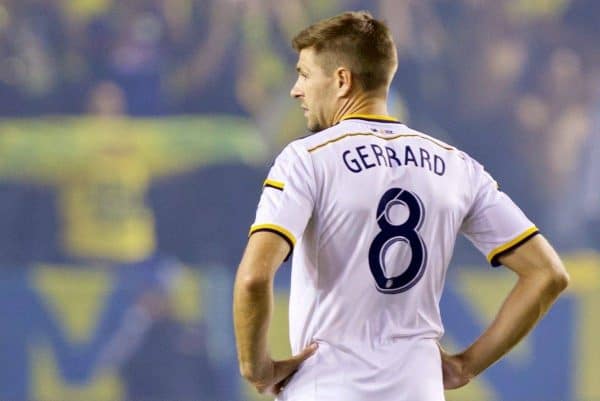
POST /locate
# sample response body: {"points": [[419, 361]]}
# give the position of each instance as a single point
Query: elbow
{"points": [[249, 373], [562, 280], [253, 283], [252, 278], [557, 279]]}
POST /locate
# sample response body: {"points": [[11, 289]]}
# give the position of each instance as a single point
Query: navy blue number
{"points": [[406, 232]]}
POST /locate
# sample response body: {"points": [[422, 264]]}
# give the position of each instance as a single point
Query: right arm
{"points": [[252, 310]]}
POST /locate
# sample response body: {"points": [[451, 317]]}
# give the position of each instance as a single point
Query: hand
{"points": [[277, 373], [454, 370]]}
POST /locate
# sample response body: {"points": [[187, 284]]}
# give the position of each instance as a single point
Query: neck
{"points": [[361, 104]]}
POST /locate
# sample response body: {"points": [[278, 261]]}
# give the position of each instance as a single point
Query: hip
{"points": [[408, 369]]}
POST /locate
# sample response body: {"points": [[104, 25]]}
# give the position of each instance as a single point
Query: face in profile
{"points": [[315, 90]]}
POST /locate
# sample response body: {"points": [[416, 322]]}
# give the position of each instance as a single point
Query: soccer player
{"points": [[371, 210]]}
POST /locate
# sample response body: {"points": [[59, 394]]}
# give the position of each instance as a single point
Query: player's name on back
{"points": [[371, 155]]}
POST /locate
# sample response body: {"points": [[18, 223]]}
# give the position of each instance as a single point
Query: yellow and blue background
{"points": [[134, 140]]}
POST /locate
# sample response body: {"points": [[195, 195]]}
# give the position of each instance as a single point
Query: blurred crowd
{"points": [[514, 82]]}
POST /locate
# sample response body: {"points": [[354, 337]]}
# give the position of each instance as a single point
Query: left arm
{"points": [[252, 310], [541, 278]]}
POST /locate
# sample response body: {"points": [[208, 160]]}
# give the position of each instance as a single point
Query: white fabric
{"points": [[334, 183]]}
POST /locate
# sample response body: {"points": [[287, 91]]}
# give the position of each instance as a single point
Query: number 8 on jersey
{"points": [[406, 232]]}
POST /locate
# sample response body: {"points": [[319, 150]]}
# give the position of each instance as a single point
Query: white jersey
{"points": [[372, 209]]}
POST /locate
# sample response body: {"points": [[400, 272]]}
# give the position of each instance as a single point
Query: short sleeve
{"points": [[288, 199], [494, 223]]}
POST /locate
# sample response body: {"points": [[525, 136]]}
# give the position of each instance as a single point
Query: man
{"points": [[372, 209]]}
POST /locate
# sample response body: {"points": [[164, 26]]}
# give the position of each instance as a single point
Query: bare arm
{"points": [[252, 309], [541, 278]]}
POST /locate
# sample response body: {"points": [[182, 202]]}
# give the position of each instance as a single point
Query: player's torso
{"points": [[371, 264]]}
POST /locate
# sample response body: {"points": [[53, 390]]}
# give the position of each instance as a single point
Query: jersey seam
{"points": [[312, 172], [474, 193], [316, 197], [351, 134]]}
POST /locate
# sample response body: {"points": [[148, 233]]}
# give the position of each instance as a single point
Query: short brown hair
{"points": [[356, 40]]}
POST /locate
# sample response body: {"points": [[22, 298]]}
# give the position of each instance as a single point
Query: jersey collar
{"points": [[371, 117]]}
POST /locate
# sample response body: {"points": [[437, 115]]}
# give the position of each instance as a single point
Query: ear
{"points": [[344, 81]]}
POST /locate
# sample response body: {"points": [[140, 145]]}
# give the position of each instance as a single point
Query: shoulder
{"points": [[467, 160], [437, 142], [305, 146], [308, 143]]}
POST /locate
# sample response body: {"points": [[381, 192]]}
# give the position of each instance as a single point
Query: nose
{"points": [[295, 92]]}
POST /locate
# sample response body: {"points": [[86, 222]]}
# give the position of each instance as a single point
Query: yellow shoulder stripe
{"points": [[274, 184], [511, 243], [274, 227]]}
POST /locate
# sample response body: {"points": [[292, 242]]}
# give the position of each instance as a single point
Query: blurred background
{"points": [[134, 139]]}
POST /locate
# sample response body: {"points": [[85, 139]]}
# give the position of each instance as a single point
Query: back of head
{"points": [[354, 40]]}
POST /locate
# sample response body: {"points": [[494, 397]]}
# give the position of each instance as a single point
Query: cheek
{"points": [[326, 98], [322, 92], [328, 88]]}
